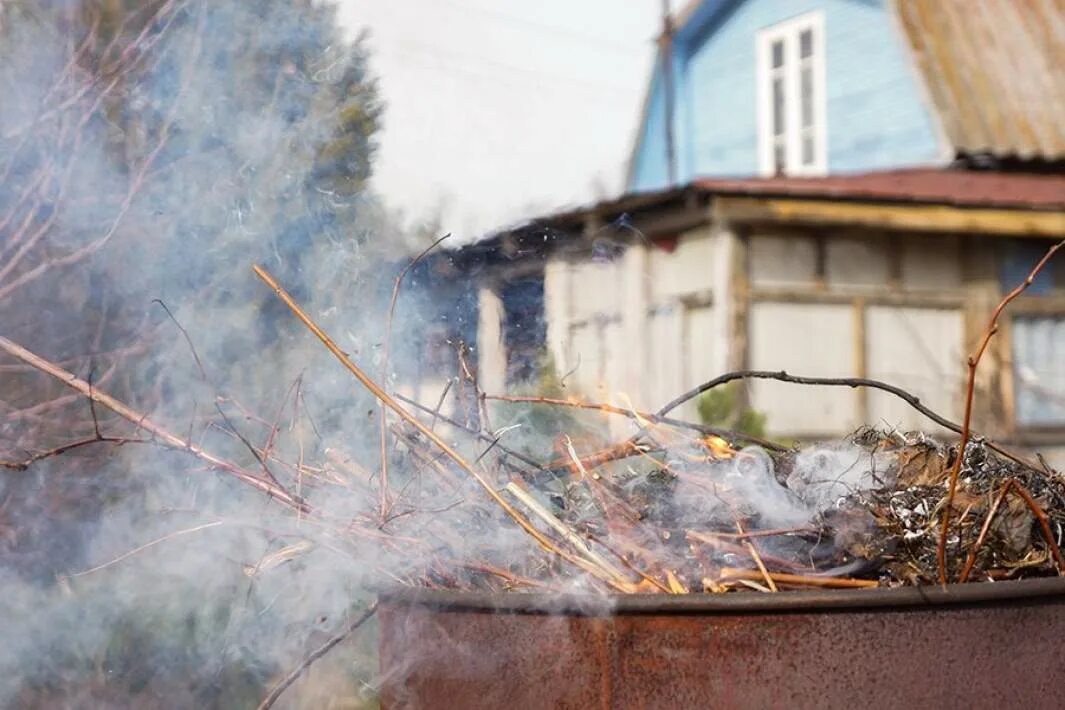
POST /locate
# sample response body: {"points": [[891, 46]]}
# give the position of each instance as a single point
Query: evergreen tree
{"points": [[155, 149]]}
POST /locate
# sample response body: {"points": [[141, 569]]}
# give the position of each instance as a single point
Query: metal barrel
{"points": [[993, 645]]}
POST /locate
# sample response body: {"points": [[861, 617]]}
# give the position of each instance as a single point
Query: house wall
{"points": [[876, 115], [642, 327], [650, 166], [838, 304], [658, 318]]}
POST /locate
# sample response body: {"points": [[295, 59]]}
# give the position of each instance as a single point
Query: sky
{"points": [[498, 110]]}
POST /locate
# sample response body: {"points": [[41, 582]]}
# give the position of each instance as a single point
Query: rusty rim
{"points": [[972, 594]]}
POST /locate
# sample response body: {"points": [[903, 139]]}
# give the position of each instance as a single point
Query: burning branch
{"points": [[432, 436], [644, 416], [558, 526]]}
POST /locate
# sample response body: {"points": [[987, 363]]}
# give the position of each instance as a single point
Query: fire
{"points": [[718, 447], [640, 418]]}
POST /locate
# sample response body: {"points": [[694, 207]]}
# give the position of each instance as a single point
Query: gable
{"points": [[875, 111], [648, 165]]}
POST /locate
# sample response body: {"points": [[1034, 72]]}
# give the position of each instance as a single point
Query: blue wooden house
{"points": [[828, 187], [813, 87]]}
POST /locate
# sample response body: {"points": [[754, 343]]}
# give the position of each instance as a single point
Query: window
{"points": [[1038, 335], [1039, 370], [791, 97]]}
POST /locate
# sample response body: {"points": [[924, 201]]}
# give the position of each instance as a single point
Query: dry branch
{"points": [[558, 526], [798, 580], [392, 404], [973, 362], [325, 648], [385, 353], [852, 382], [141, 421], [638, 416]]}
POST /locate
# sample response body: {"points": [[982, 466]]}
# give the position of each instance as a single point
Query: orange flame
{"points": [[718, 447]]}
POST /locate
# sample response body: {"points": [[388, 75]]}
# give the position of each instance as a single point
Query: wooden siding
{"points": [[876, 118]]}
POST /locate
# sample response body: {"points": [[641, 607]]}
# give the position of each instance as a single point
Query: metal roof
{"points": [[961, 188], [951, 187], [995, 72]]}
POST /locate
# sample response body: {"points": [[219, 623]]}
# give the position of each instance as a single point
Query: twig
{"points": [[384, 368], [440, 402], [782, 376], [470, 430], [718, 544], [622, 450], [799, 580], [606, 499], [513, 579], [758, 533], [480, 402], [637, 416], [275, 426], [971, 559], [558, 526], [973, 362], [261, 458], [187, 337], [145, 546], [753, 551], [60, 450], [141, 421], [391, 403], [325, 648], [1044, 524], [629, 565]]}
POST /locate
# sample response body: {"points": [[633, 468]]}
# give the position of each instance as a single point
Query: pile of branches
{"points": [[676, 508]]}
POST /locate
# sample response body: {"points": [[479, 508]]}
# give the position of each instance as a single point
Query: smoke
{"points": [[818, 479], [149, 154]]}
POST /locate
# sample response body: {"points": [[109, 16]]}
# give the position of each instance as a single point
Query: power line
{"points": [[466, 63], [611, 45]]}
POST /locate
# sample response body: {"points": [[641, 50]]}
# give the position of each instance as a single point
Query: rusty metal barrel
{"points": [[977, 645]]}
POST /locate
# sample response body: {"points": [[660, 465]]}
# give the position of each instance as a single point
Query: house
{"points": [[813, 87], [856, 185]]}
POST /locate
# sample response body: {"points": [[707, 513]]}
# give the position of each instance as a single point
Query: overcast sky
{"points": [[501, 109]]}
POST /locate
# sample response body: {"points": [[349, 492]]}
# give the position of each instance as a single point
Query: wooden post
{"points": [[860, 361], [740, 303], [982, 293]]}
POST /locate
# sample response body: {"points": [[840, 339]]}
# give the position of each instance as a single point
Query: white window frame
{"points": [[789, 32]]}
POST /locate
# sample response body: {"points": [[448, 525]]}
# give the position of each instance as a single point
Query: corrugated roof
{"points": [[928, 186], [995, 70], [962, 188]]}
